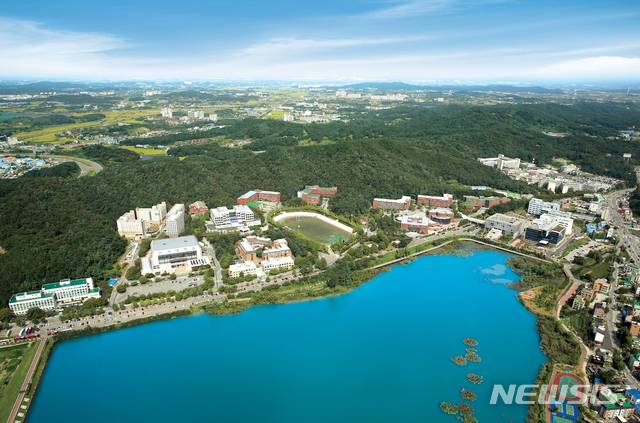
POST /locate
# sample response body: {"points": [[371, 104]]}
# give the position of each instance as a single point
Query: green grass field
{"points": [[315, 229], [48, 134], [145, 151], [14, 364]]}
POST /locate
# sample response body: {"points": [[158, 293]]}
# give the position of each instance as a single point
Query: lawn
{"points": [[315, 229], [14, 364], [48, 134], [145, 151]]}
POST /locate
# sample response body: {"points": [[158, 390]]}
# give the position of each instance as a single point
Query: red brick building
{"points": [[441, 215], [433, 201], [258, 195], [313, 194], [403, 203], [198, 208]]}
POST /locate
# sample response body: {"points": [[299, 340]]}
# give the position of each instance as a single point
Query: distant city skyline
{"points": [[416, 41]]}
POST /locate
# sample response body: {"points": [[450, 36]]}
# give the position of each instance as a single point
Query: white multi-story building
{"points": [[154, 215], [538, 207], [166, 112], [282, 262], [174, 255], [137, 223], [239, 215], [131, 227], [22, 302], [174, 224], [244, 268], [501, 162], [54, 295], [72, 291], [509, 225]]}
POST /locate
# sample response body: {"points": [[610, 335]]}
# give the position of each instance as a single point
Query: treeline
{"points": [[62, 170], [109, 154], [30, 123]]}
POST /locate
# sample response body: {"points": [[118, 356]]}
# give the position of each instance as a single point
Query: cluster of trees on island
{"points": [[54, 226]]}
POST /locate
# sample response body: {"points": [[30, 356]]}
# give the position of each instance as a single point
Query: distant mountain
{"points": [[449, 87], [382, 86]]}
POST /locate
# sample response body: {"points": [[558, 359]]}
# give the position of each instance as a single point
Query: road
{"points": [[27, 380], [211, 252], [87, 167]]}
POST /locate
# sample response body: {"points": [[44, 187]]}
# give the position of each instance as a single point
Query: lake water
{"points": [[381, 353]]}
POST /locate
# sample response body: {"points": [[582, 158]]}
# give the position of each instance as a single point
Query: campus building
{"points": [[476, 203], [446, 200], [180, 254], [538, 207], [416, 222], [549, 228], [54, 295], [313, 194], [508, 225], [198, 208], [501, 162], [403, 203], [441, 215], [174, 224], [235, 218], [264, 254], [138, 223], [259, 195]]}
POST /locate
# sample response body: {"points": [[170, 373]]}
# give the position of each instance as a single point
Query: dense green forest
{"points": [[53, 227]]}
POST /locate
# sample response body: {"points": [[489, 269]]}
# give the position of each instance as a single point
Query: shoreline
{"points": [[207, 308]]}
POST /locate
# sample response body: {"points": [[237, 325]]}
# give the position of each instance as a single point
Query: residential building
{"points": [[174, 255], [54, 295], [441, 215], [614, 405], [538, 207], [139, 222], [446, 200], [259, 195], [174, 224], [313, 194], [277, 263], [403, 203], [198, 208], [131, 227], [166, 112], [509, 225], [501, 162], [238, 216]]}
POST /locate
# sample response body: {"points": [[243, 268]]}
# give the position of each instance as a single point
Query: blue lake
{"points": [[380, 353]]}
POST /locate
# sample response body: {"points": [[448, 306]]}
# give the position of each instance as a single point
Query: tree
{"points": [[36, 315], [618, 361], [6, 314], [121, 288]]}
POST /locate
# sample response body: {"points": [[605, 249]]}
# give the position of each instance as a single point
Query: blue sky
{"points": [[425, 41]]}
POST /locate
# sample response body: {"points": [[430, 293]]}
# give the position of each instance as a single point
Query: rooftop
{"points": [[171, 243], [63, 283]]}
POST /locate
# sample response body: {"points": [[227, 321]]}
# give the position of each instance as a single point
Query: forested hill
{"points": [[53, 227]]}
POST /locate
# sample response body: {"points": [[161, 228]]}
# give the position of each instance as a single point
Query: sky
{"points": [[418, 41]]}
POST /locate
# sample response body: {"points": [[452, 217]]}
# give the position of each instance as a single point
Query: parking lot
{"points": [[164, 285]]}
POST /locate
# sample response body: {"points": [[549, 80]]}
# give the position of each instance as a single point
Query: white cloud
{"points": [[30, 50], [397, 9], [592, 68]]}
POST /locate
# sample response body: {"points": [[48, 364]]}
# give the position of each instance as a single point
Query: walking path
{"points": [[419, 253], [26, 382]]}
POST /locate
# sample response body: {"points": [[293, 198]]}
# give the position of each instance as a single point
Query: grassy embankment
{"points": [[14, 364]]}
